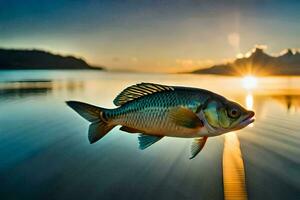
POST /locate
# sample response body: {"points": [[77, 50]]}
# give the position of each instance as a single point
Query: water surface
{"points": [[45, 153]]}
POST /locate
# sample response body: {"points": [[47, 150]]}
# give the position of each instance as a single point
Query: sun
{"points": [[249, 82]]}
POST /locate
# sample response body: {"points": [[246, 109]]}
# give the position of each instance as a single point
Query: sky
{"points": [[157, 35]]}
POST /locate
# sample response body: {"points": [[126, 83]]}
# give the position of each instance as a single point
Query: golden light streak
{"points": [[233, 169]]}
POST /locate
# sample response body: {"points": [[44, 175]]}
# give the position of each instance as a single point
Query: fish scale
{"points": [[151, 112]]}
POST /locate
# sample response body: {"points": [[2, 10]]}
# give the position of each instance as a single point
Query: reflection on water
{"points": [[249, 104], [249, 101], [291, 102], [233, 169], [20, 89], [44, 151], [23, 88]]}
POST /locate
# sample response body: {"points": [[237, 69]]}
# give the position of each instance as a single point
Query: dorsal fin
{"points": [[139, 90]]}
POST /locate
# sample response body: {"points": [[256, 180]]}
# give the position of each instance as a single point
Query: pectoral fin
{"points": [[146, 141], [185, 117], [197, 146]]}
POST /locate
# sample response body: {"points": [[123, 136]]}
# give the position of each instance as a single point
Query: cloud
{"points": [[134, 59], [125, 59], [260, 46], [257, 46], [190, 63], [185, 62], [116, 59]]}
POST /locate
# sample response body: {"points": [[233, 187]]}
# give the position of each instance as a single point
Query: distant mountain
{"points": [[258, 63], [37, 59]]}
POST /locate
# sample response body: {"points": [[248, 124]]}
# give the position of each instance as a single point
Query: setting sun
{"points": [[249, 82]]}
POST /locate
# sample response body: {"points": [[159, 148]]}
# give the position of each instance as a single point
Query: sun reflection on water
{"points": [[249, 82], [249, 101], [249, 104]]}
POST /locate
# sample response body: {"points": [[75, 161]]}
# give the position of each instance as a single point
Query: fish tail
{"points": [[100, 124]]}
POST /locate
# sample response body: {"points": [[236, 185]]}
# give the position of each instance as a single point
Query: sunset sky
{"points": [[149, 35]]}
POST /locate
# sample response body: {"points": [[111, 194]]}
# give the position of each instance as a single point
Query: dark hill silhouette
{"points": [[258, 63], [37, 59]]}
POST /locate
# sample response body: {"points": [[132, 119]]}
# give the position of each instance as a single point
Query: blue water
{"points": [[45, 153]]}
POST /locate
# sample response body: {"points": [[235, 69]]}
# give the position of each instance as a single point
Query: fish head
{"points": [[224, 116]]}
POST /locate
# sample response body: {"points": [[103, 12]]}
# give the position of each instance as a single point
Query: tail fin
{"points": [[99, 126]]}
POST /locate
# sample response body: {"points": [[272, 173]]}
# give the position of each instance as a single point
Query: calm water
{"points": [[45, 153]]}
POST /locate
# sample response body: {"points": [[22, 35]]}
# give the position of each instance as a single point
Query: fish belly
{"points": [[155, 121]]}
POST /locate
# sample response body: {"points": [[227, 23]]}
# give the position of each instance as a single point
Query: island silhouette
{"points": [[14, 59], [258, 63]]}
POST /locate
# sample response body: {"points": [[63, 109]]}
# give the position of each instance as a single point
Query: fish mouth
{"points": [[248, 119]]}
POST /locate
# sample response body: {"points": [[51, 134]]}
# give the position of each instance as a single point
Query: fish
{"points": [[155, 111]]}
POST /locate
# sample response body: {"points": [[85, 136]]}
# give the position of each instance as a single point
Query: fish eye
{"points": [[234, 113]]}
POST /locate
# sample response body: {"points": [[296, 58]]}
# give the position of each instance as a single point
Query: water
{"points": [[45, 153]]}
